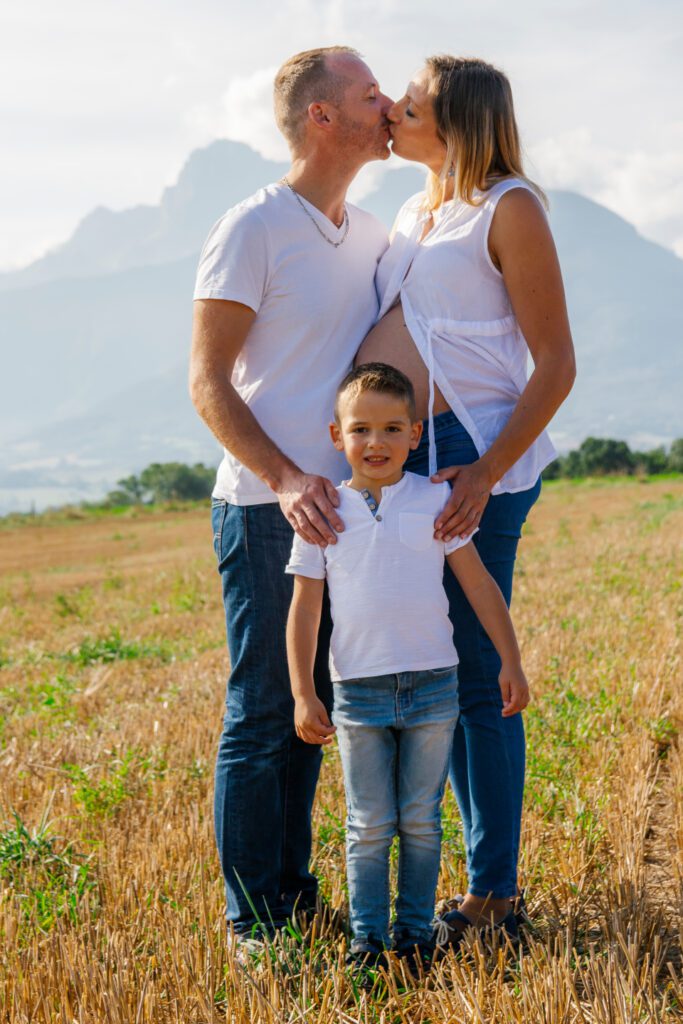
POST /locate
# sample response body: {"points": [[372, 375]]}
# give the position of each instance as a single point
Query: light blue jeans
{"points": [[395, 734]]}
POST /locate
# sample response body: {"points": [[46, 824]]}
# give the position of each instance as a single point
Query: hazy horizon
{"points": [[103, 106]]}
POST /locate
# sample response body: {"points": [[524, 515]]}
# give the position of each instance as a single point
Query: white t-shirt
{"points": [[314, 305], [458, 312], [385, 579]]}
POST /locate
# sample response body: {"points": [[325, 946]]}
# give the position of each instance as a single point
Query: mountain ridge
{"points": [[99, 332]]}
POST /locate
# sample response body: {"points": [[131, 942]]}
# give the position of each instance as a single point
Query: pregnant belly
{"points": [[390, 342]]}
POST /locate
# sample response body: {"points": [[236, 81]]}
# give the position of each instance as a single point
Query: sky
{"points": [[101, 103]]}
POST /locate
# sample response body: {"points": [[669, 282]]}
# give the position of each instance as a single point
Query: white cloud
{"points": [[644, 187], [95, 112], [245, 114]]}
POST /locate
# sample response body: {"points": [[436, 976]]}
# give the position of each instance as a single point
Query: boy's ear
{"points": [[415, 434], [336, 435]]}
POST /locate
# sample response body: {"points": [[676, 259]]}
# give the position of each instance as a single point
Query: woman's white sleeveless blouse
{"points": [[459, 315]]}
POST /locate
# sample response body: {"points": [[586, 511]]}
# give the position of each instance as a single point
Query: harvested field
{"points": [[112, 670]]}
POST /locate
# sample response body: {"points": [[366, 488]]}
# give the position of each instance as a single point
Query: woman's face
{"points": [[413, 125]]}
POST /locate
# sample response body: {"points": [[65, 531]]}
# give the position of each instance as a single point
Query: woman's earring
{"points": [[451, 172]]}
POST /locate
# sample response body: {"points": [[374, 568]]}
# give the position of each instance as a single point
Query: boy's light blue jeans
{"points": [[395, 734]]}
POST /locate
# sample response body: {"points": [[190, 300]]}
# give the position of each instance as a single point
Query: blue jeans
{"points": [[265, 776], [395, 734], [488, 759]]}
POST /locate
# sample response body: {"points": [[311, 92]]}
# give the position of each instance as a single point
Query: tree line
{"points": [[164, 481], [597, 456], [603, 456]]}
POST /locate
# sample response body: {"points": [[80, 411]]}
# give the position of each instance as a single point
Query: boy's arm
{"points": [[311, 720], [482, 592]]}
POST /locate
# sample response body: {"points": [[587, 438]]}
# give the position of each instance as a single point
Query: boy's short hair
{"points": [[380, 378]]}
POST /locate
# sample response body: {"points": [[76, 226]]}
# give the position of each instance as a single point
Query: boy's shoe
{"points": [[366, 954], [417, 954]]}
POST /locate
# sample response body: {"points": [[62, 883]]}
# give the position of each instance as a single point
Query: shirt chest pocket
{"points": [[416, 530]]}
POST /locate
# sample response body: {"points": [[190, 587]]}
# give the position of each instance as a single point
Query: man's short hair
{"points": [[304, 79], [380, 378]]}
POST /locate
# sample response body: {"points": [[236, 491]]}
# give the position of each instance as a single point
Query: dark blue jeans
{"points": [[265, 775], [488, 759]]}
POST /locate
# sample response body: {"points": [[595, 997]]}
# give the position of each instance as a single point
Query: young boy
{"points": [[392, 659]]}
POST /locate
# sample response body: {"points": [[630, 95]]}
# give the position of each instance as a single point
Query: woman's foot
{"points": [[475, 912], [483, 912]]}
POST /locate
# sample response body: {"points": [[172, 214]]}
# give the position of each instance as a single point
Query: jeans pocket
{"points": [[219, 509]]}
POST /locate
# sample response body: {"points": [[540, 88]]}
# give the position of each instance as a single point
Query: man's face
{"points": [[362, 125]]}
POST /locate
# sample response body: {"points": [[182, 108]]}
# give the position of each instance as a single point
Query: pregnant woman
{"points": [[470, 285]]}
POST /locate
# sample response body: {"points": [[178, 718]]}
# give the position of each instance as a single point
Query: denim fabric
{"points": [[265, 776], [488, 758], [395, 734]]}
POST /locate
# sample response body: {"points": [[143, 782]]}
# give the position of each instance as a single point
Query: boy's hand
{"points": [[514, 689], [312, 722]]}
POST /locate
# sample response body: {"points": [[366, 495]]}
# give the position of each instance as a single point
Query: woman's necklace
{"points": [[345, 222]]}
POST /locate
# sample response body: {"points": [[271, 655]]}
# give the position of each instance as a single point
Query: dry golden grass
{"points": [[112, 666]]}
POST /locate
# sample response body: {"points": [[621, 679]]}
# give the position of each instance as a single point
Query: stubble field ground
{"points": [[112, 670]]}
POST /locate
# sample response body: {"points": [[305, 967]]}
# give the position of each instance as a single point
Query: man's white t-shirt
{"points": [[314, 304], [385, 579]]}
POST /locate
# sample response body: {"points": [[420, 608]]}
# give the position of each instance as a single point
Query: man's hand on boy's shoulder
{"points": [[308, 503], [514, 689], [311, 721]]}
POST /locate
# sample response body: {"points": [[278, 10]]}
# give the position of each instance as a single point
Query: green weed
{"points": [[52, 694], [101, 789], [47, 882], [76, 604], [114, 648]]}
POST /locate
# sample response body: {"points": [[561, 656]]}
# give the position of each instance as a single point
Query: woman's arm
{"points": [[521, 245], [482, 592]]}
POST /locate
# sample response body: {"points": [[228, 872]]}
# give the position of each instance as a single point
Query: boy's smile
{"points": [[376, 434]]}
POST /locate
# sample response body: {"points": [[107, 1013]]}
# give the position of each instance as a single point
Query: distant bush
{"points": [[603, 456], [164, 481]]}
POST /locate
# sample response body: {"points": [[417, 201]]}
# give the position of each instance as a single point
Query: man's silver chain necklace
{"points": [[311, 217]]}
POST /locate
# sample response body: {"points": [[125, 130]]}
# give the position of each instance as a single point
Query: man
{"points": [[284, 296]]}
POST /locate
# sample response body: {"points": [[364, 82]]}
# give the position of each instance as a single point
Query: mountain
{"points": [[212, 180], [98, 332]]}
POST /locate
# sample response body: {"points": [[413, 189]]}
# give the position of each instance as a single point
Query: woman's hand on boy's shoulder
{"points": [[311, 721], [514, 689]]}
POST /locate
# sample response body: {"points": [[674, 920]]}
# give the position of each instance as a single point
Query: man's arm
{"points": [[488, 604], [311, 720], [220, 328]]}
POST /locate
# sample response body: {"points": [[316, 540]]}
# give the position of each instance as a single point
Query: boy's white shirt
{"points": [[385, 579]]}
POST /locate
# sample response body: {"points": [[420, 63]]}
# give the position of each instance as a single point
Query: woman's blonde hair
{"points": [[475, 118]]}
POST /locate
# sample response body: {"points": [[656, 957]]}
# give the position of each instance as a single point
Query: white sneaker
{"points": [[246, 950]]}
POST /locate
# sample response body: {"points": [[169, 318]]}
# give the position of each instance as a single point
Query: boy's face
{"points": [[375, 433]]}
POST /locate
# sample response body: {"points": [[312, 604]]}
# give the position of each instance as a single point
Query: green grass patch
{"points": [[52, 695], [76, 604], [112, 647], [561, 724], [101, 789], [47, 877]]}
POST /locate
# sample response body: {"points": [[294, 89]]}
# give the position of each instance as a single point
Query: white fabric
{"points": [[314, 305], [459, 315], [385, 579]]}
